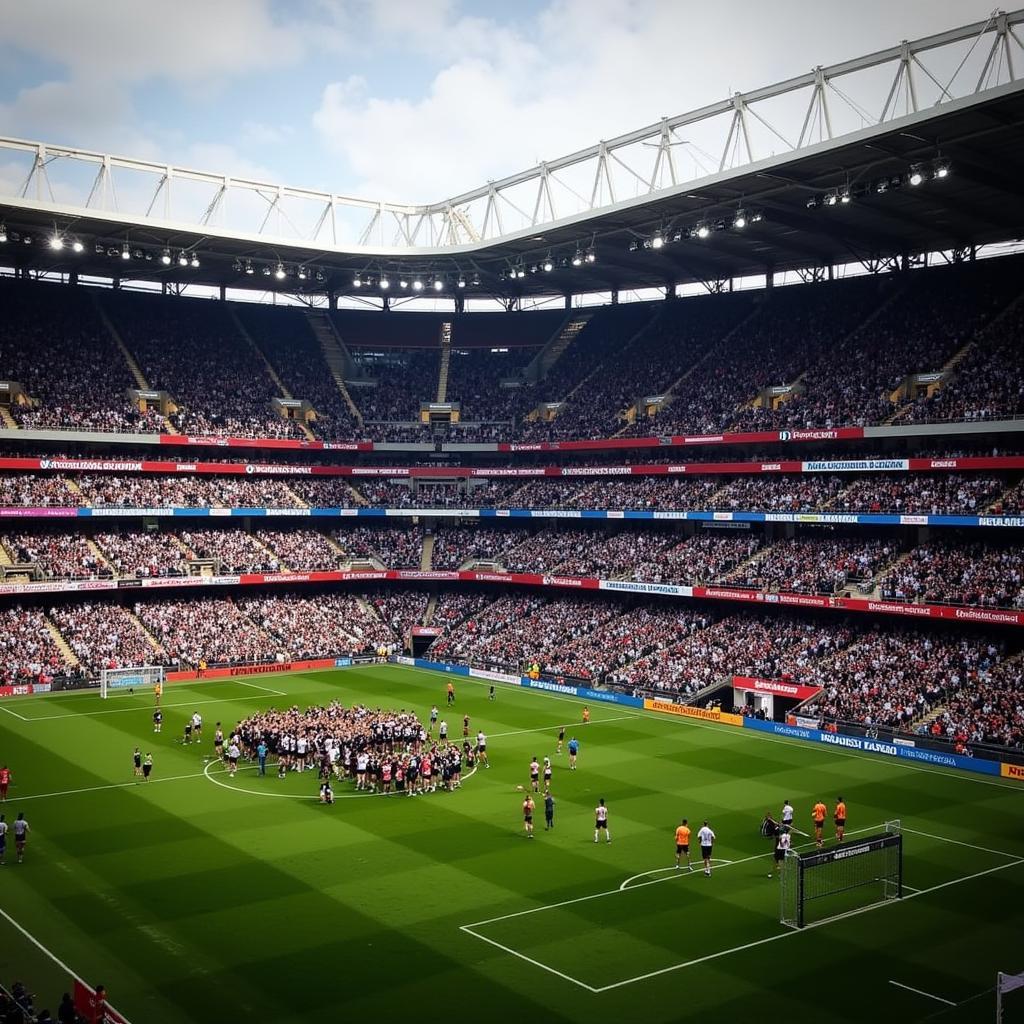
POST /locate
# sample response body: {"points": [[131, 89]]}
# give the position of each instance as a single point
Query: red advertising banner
{"points": [[778, 687]]}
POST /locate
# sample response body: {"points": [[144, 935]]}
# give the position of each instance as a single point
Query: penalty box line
{"points": [[1013, 860]]}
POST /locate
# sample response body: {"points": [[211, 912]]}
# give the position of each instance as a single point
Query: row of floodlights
{"points": [[279, 271], [918, 174], [521, 268], [58, 242], [704, 229], [416, 282]]}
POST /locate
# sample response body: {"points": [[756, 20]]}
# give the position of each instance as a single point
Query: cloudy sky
{"points": [[412, 100]]}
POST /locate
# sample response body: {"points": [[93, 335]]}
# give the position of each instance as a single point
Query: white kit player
{"points": [[706, 838]]}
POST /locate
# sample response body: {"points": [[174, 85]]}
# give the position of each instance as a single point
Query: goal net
{"points": [[134, 678], [822, 884]]}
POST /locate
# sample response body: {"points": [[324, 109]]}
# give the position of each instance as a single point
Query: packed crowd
{"points": [[808, 565], [54, 344], [104, 635], [59, 555], [193, 350], [965, 573], [28, 651]]}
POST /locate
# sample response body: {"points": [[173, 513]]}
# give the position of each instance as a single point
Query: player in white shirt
{"points": [[3, 839], [601, 821], [21, 831], [362, 762], [481, 749], [782, 844], [787, 813], [301, 746], [706, 838], [197, 725]]}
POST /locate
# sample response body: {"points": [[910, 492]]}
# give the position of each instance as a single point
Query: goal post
{"points": [[136, 677], [819, 885]]}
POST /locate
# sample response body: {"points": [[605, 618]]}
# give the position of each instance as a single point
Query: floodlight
{"points": [[357, 282], [703, 231], [577, 258], [591, 256], [942, 168], [194, 262], [916, 175], [462, 281], [183, 258], [302, 273], [656, 243], [740, 220], [126, 253], [3, 232], [417, 285], [384, 283], [438, 284], [832, 198], [402, 283], [248, 267], [279, 272], [56, 242], [165, 257]]}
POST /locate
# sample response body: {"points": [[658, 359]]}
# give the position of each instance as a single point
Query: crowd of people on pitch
{"points": [[380, 751]]}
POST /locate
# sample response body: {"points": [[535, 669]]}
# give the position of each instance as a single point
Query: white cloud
{"points": [[505, 98]]}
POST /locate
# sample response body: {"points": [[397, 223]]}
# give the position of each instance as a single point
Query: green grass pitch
{"points": [[199, 898]]}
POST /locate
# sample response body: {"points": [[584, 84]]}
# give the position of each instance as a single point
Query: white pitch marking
{"points": [[265, 689], [958, 842], [113, 785], [921, 992], [549, 728], [15, 713], [139, 710], [522, 956], [673, 870]]}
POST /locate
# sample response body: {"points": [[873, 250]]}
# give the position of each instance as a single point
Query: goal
{"points": [[135, 678], [822, 884]]}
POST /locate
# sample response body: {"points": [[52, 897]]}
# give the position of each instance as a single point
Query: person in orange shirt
{"points": [[818, 814], [451, 695], [158, 692], [586, 716], [840, 818], [683, 844]]}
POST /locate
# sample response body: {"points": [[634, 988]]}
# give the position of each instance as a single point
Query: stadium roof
{"points": [[822, 146]]}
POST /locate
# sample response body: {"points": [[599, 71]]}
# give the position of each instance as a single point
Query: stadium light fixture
{"points": [[438, 284], [657, 241], [320, 276], [194, 262], [812, 203], [402, 283], [126, 252], [591, 255], [547, 264], [56, 242], [417, 285], [740, 220], [844, 196], [703, 231], [77, 246], [476, 281], [3, 232], [182, 258], [942, 168], [265, 271], [302, 273], [165, 257], [461, 282], [577, 258], [248, 267], [520, 271], [832, 198], [279, 272], [634, 246], [384, 283], [916, 175], [357, 281]]}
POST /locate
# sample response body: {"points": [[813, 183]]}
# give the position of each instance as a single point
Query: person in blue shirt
{"points": [[261, 755], [574, 749]]}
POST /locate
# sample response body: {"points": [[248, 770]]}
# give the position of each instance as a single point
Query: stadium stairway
{"points": [[146, 635], [5, 556], [442, 373], [356, 494], [876, 592], [73, 487], [99, 554], [428, 614], [336, 355], [7, 419], [427, 554], [267, 364], [133, 367], [62, 645], [299, 503], [540, 366], [343, 555], [272, 553]]}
